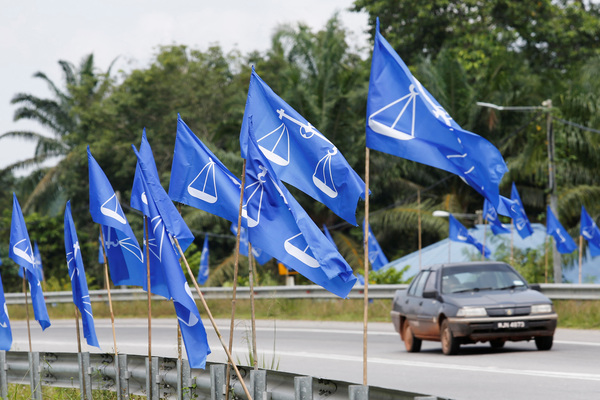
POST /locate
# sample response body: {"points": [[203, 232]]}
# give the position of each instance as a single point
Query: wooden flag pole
{"points": [[366, 267], [236, 264], [252, 310], [546, 257], [484, 237], [179, 349], [27, 308], [419, 215], [580, 255], [212, 320], [149, 299], [110, 306]]}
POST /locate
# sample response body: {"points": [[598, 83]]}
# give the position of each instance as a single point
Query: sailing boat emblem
{"points": [[275, 145], [156, 243], [588, 231], [323, 177], [5, 324], [385, 121], [256, 195], [207, 186], [112, 209], [297, 247], [26, 254], [192, 319]]}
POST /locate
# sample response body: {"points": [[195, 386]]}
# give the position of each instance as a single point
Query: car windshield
{"points": [[459, 279]]}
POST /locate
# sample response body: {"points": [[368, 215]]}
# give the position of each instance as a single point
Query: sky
{"points": [[36, 34]]}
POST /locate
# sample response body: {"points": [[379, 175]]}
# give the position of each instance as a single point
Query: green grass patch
{"points": [[23, 392]]}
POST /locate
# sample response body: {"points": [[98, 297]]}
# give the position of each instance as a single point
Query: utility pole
{"points": [[553, 198]]}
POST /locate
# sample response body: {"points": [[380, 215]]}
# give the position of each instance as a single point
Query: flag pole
{"points": [[110, 306], [546, 257], [512, 234], [580, 255], [179, 349], [212, 320], [366, 266], [252, 310], [81, 371], [27, 308], [419, 215], [149, 299], [236, 264], [485, 222]]}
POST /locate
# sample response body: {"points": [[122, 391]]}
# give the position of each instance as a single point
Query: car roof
{"points": [[471, 264]]}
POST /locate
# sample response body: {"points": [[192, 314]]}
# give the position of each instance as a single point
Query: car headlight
{"points": [[471, 312], [541, 308]]}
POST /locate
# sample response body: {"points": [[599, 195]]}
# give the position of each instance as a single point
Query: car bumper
{"points": [[509, 328]]}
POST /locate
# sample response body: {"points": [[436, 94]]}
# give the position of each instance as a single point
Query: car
{"points": [[471, 302]]}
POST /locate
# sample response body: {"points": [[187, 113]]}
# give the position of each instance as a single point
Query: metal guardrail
{"points": [[171, 379], [563, 291]]}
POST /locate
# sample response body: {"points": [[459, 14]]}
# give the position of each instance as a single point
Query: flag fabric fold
{"points": [[328, 235], [165, 259], [38, 261], [517, 213], [81, 296], [298, 153], [125, 257], [589, 230], [376, 256], [203, 270], [260, 256], [5, 331], [491, 215], [173, 221], [199, 179], [280, 226], [403, 119], [21, 252], [564, 242], [458, 233]]}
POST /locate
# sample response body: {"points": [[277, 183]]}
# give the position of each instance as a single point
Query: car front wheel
{"points": [[412, 344], [450, 344], [544, 342]]}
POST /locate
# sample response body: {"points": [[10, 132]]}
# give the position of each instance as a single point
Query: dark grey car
{"points": [[472, 302]]}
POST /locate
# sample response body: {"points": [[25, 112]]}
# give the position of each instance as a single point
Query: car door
{"points": [[414, 300], [427, 309]]}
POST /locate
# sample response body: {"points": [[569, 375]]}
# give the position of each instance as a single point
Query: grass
{"points": [[581, 314], [22, 392]]}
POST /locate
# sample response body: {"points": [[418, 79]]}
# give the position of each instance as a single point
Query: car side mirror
{"points": [[430, 294], [535, 286]]}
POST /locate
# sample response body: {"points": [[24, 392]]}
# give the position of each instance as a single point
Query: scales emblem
{"points": [[206, 188], [275, 145], [112, 209], [127, 244]]}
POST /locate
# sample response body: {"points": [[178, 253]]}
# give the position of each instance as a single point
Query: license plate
{"points": [[511, 325]]}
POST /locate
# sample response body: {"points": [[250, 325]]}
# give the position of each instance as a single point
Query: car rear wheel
{"points": [[412, 344], [497, 343], [544, 342], [450, 344]]}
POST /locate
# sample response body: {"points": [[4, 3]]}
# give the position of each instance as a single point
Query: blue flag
{"points": [[21, 252], [5, 331], [403, 119], [376, 256], [564, 242], [125, 257], [491, 215], [260, 256], [173, 221], [458, 233], [328, 235], [38, 261], [203, 270], [589, 230], [200, 180], [299, 154], [280, 226], [164, 255], [517, 213], [81, 296]]}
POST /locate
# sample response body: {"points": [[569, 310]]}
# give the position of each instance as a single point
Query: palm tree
{"points": [[82, 85]]}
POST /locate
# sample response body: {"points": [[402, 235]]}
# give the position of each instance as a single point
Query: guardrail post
{"points": [[123, 377], [303, 388], [217, 382], [152, 389], [258, 382], [85, 376], [358, 392], [3, 377], [34, 375], [184, 380]]}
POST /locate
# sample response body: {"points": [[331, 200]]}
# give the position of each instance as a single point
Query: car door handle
{"points": [[406, 301], [421, 303]]}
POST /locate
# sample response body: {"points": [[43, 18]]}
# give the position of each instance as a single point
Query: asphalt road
{"points": [[571, 370]]}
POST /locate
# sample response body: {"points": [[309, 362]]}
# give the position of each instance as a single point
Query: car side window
{"points": [[421, 283], [431, 282], [413, 285]]}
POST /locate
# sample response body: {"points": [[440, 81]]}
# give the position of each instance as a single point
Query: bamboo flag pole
{"points": [[366, 266], [236, 264], [149, 299], [27, 308], [252, 310], [419, 215], [580, 255], [212, 320], [546, 258], [110, 306], [179, 349], [484, 237]]}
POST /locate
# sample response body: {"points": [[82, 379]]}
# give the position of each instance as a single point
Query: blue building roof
{"points": [[449, 251]]}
